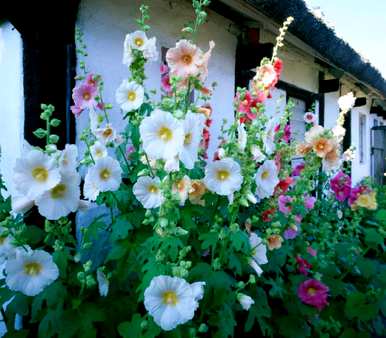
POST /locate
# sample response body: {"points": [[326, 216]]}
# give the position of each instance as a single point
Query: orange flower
{"points": [[322, 146], [331, 160], [197, 190], [303, 149], [274, 242]]}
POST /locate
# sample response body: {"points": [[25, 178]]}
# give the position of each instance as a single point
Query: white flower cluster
{"points": [[138, 41]]}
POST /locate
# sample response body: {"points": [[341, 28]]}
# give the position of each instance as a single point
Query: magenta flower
{"points": [[309, 202], [287, 133], [298, 219], [341, 185], [285, 204], [303, 265], [314, 293], [298, 169]]}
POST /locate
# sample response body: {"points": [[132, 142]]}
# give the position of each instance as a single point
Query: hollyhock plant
{"points": [[313, 292], [84, 97]]}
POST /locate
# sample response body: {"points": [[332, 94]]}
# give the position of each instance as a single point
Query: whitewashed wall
{"points": [[105, 24], [12, 101]]}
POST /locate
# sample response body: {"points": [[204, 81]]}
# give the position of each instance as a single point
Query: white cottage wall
{"points": [[12, 101], [105, 24]]}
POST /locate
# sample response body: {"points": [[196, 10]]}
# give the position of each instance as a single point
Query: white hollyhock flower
{"points": [[309, 117], [193, 126], [162, 135], [241, 136], [61, 199], [172, 165], [172, 301], [147, 190], [105, 174], [138, 40], [98, 150], [339, 132], [346, 102], [6, 247], [150, 53], [269, 137], [245, 301], [223, 177], [105, 135], [35, 173], [259, 253], [313, 133], [103, 283], [182, 189], [129, 95], [29, 272], [90, 189], [68, 158], [21, 204], [257, 154], [266, 179]]}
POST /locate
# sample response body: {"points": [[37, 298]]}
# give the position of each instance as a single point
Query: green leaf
{"points": [[367, 267], [373, 238], [357, 305], [40, 133], [55, 122], [131, 329], [53, 138], [120, 228]]}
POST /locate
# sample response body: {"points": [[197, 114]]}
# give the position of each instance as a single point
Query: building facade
{"points": [[318, 68]]}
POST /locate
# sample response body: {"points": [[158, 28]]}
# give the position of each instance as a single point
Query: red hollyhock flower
{"points": [[314, 293], [278, 66], [267, 215], [283, 185], [303, 265]]}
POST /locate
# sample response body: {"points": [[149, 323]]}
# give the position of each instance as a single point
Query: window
{"points": [[362, 138], [298, 125]]}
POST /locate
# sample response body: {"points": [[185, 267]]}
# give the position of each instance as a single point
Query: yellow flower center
{"points": [[169, 298], [105, 174], [86, 96], [59, 191], [40, 174], [311, 291], [265, 175], [107, 132], [32, 268], [131, 95], [98, 153], [181, 185], [139, 42], [188, 139], [222, 175], [165, 134], [153, 189], [187, 59]]}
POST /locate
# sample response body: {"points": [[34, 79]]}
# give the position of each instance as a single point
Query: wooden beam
{"points": [[328, 86], [360, 101]]}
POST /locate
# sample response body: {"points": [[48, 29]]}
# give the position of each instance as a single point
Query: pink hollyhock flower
{"points": [[285, 204], [303, 265], [341, 185], [354, 194], [84, 97], [298, 219], [309, 202], [312, 251], [298, 169], [164, 69], [248, 106], [314, 293], [286, 132], [90, 80], [291, 233], [267, 76]]}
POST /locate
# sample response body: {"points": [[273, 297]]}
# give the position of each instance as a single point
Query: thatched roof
{"points": [[322, 38]]}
